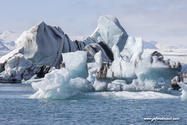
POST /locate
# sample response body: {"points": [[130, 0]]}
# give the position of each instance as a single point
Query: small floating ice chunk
{"points": [[55, 85], [120, 68], [18, 68]]}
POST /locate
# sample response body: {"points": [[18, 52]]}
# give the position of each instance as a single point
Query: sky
{"points": [[164, 21]]}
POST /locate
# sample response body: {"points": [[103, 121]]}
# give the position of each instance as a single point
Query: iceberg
{"points": [[154, 73], [17, 68], [67, 67], [55, 85], [58, 84], [3, 59], [43, 44], [154, 66]]}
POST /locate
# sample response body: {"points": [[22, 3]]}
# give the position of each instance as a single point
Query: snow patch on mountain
{"points": [[151, 45], [8, 38], [2, 46]]}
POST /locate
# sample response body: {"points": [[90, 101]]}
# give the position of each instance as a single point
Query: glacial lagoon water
{"points": [[90, 108]]}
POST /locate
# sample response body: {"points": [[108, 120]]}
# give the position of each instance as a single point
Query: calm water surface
{"points": [[17, 108]]}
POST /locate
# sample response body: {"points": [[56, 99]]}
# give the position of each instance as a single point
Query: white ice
{"points": [[92, 67], [113, 87], [16, 68], [98, 60], [76, 63], [100, 85], [120, 68], [55, 85], [116, 85], [135, 48]]}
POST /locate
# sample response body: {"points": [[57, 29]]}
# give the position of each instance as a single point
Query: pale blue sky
{"points": [[164, 21]]}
